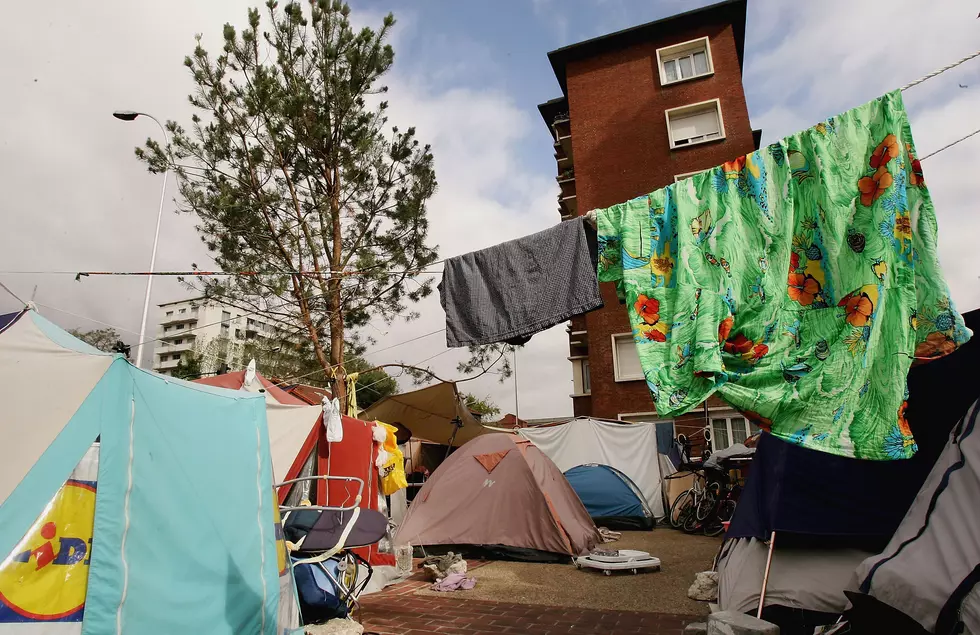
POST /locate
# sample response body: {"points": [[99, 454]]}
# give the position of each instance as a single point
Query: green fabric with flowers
{"points": [[798, 282]]}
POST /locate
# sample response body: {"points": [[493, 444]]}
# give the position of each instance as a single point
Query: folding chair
{"points": [[321, 539]]}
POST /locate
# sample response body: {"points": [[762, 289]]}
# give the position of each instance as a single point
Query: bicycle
{"points": [[692, 503]]}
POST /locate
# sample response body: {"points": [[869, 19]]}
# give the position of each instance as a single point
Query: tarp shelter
{"points": [[178, 532], [300, 448], [631, 448], [429, 413], [610, 497], [501, 493], [930, 569]]}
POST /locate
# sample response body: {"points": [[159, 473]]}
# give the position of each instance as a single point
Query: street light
{"points": [[130, 115]]}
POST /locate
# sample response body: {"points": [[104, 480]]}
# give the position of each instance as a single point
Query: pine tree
{"points": [[290, 165]]}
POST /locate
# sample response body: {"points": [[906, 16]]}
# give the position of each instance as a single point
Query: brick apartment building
{"points": [[640, 109]]}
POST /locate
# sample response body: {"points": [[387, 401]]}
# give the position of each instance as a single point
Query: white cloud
{"points": [[808, 61]]}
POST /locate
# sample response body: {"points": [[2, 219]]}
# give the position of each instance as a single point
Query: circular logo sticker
{"points": [[46, 575]]}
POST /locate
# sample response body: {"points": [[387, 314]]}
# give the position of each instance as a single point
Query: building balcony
{"points": [[169, 364], [563, 152], [176, 334], [166, 349], [568, 206], [190, 316]]}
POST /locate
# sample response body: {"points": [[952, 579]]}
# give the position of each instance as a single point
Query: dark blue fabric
{"points": [[665, 437], [317, 594], [7, 319], [815, 497], [603, 492]]}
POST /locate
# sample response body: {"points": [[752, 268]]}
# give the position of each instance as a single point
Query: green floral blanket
{"points": [[798, 281]]}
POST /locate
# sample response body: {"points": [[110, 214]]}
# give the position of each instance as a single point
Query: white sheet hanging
{"points": [[631, 448]]}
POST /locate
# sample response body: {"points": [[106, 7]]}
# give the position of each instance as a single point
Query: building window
{"points": [[686, 60], [696, 123], [681, 177], [626, 363], [170, 313], [180, 327], [644, 417], [581, 377], [727, 431], [166, 329], [179, 340], [182, 311]]}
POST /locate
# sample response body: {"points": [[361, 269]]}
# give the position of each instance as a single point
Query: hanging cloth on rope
{"points": [[798, 282], [350, 384]]}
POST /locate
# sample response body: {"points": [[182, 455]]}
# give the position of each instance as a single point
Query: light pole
{"points": [[129, 115]]}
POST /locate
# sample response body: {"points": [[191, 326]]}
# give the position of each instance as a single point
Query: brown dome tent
{"points": [[501, 496]]}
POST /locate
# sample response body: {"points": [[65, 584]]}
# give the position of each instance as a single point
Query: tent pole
{"points": [[457, 424], [765, 577]]}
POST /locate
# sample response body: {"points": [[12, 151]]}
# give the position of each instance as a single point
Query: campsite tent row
{"points": [[195, 459]]}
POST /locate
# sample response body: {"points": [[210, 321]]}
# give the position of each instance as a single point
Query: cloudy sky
{"points": [[469, 76]]}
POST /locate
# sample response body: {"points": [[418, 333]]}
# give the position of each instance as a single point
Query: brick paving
{"points": [[398, 611]]}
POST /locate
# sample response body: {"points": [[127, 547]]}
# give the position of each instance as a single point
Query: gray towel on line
{"points": [[518, 288]]}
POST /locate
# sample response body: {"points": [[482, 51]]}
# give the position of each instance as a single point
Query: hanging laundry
{"points": [[390, 461], [797, 281], [508, 292], [332, 420]]}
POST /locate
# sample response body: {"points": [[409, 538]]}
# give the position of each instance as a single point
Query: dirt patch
{"points": [[681, 556]]}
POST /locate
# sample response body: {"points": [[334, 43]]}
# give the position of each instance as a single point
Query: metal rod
{"points": [[765, 577], [517, 400], [156, 242]]}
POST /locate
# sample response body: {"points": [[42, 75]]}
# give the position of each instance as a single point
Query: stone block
{"points": [[734, 623]]}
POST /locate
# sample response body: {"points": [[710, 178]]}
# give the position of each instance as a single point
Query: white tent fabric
{"points": [[428, 413], [289, 426], [933, 560], [811, 579], [36, 368], [631, 448]]}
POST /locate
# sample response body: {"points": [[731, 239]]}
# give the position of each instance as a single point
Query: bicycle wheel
{"points": [[706, 506], [683, 506], [715, 525], [726, 510], [691, 523]]}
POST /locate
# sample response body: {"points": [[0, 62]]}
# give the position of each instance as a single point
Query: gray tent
{"points": [[812, 579], [930, 568]]}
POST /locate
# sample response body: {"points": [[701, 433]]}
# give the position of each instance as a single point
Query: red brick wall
{"points": [[621, 148]]}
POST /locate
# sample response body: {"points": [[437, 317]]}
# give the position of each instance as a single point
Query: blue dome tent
{"points": [[610, 497]]}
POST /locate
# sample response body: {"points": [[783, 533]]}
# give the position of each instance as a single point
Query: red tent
{"points": [[354, 456]]}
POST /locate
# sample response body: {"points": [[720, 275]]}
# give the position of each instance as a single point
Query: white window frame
{"points": [[690, 109], [655, 419], [615, 356], [586, 377], [681, 177], [727, 416], [684, 49]]}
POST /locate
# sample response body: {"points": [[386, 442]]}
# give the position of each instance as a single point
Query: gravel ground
{"points": [[665, 591]]}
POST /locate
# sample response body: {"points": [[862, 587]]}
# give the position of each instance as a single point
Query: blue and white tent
{"points": [[174, 531], [610, 497]]}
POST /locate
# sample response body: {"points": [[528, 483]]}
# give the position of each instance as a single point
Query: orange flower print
{"points": [[803, 288], [885, 152], [858, 307], [653, 333], [734, 166], [794, 261], [648, 309], [903, 424], [872, 187], [936, 345], [725, 328], [739, 345], [759, 351], [916, 178], [758, 420]]}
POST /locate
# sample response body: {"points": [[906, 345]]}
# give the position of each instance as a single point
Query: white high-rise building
{"points": [[213, 331]]}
